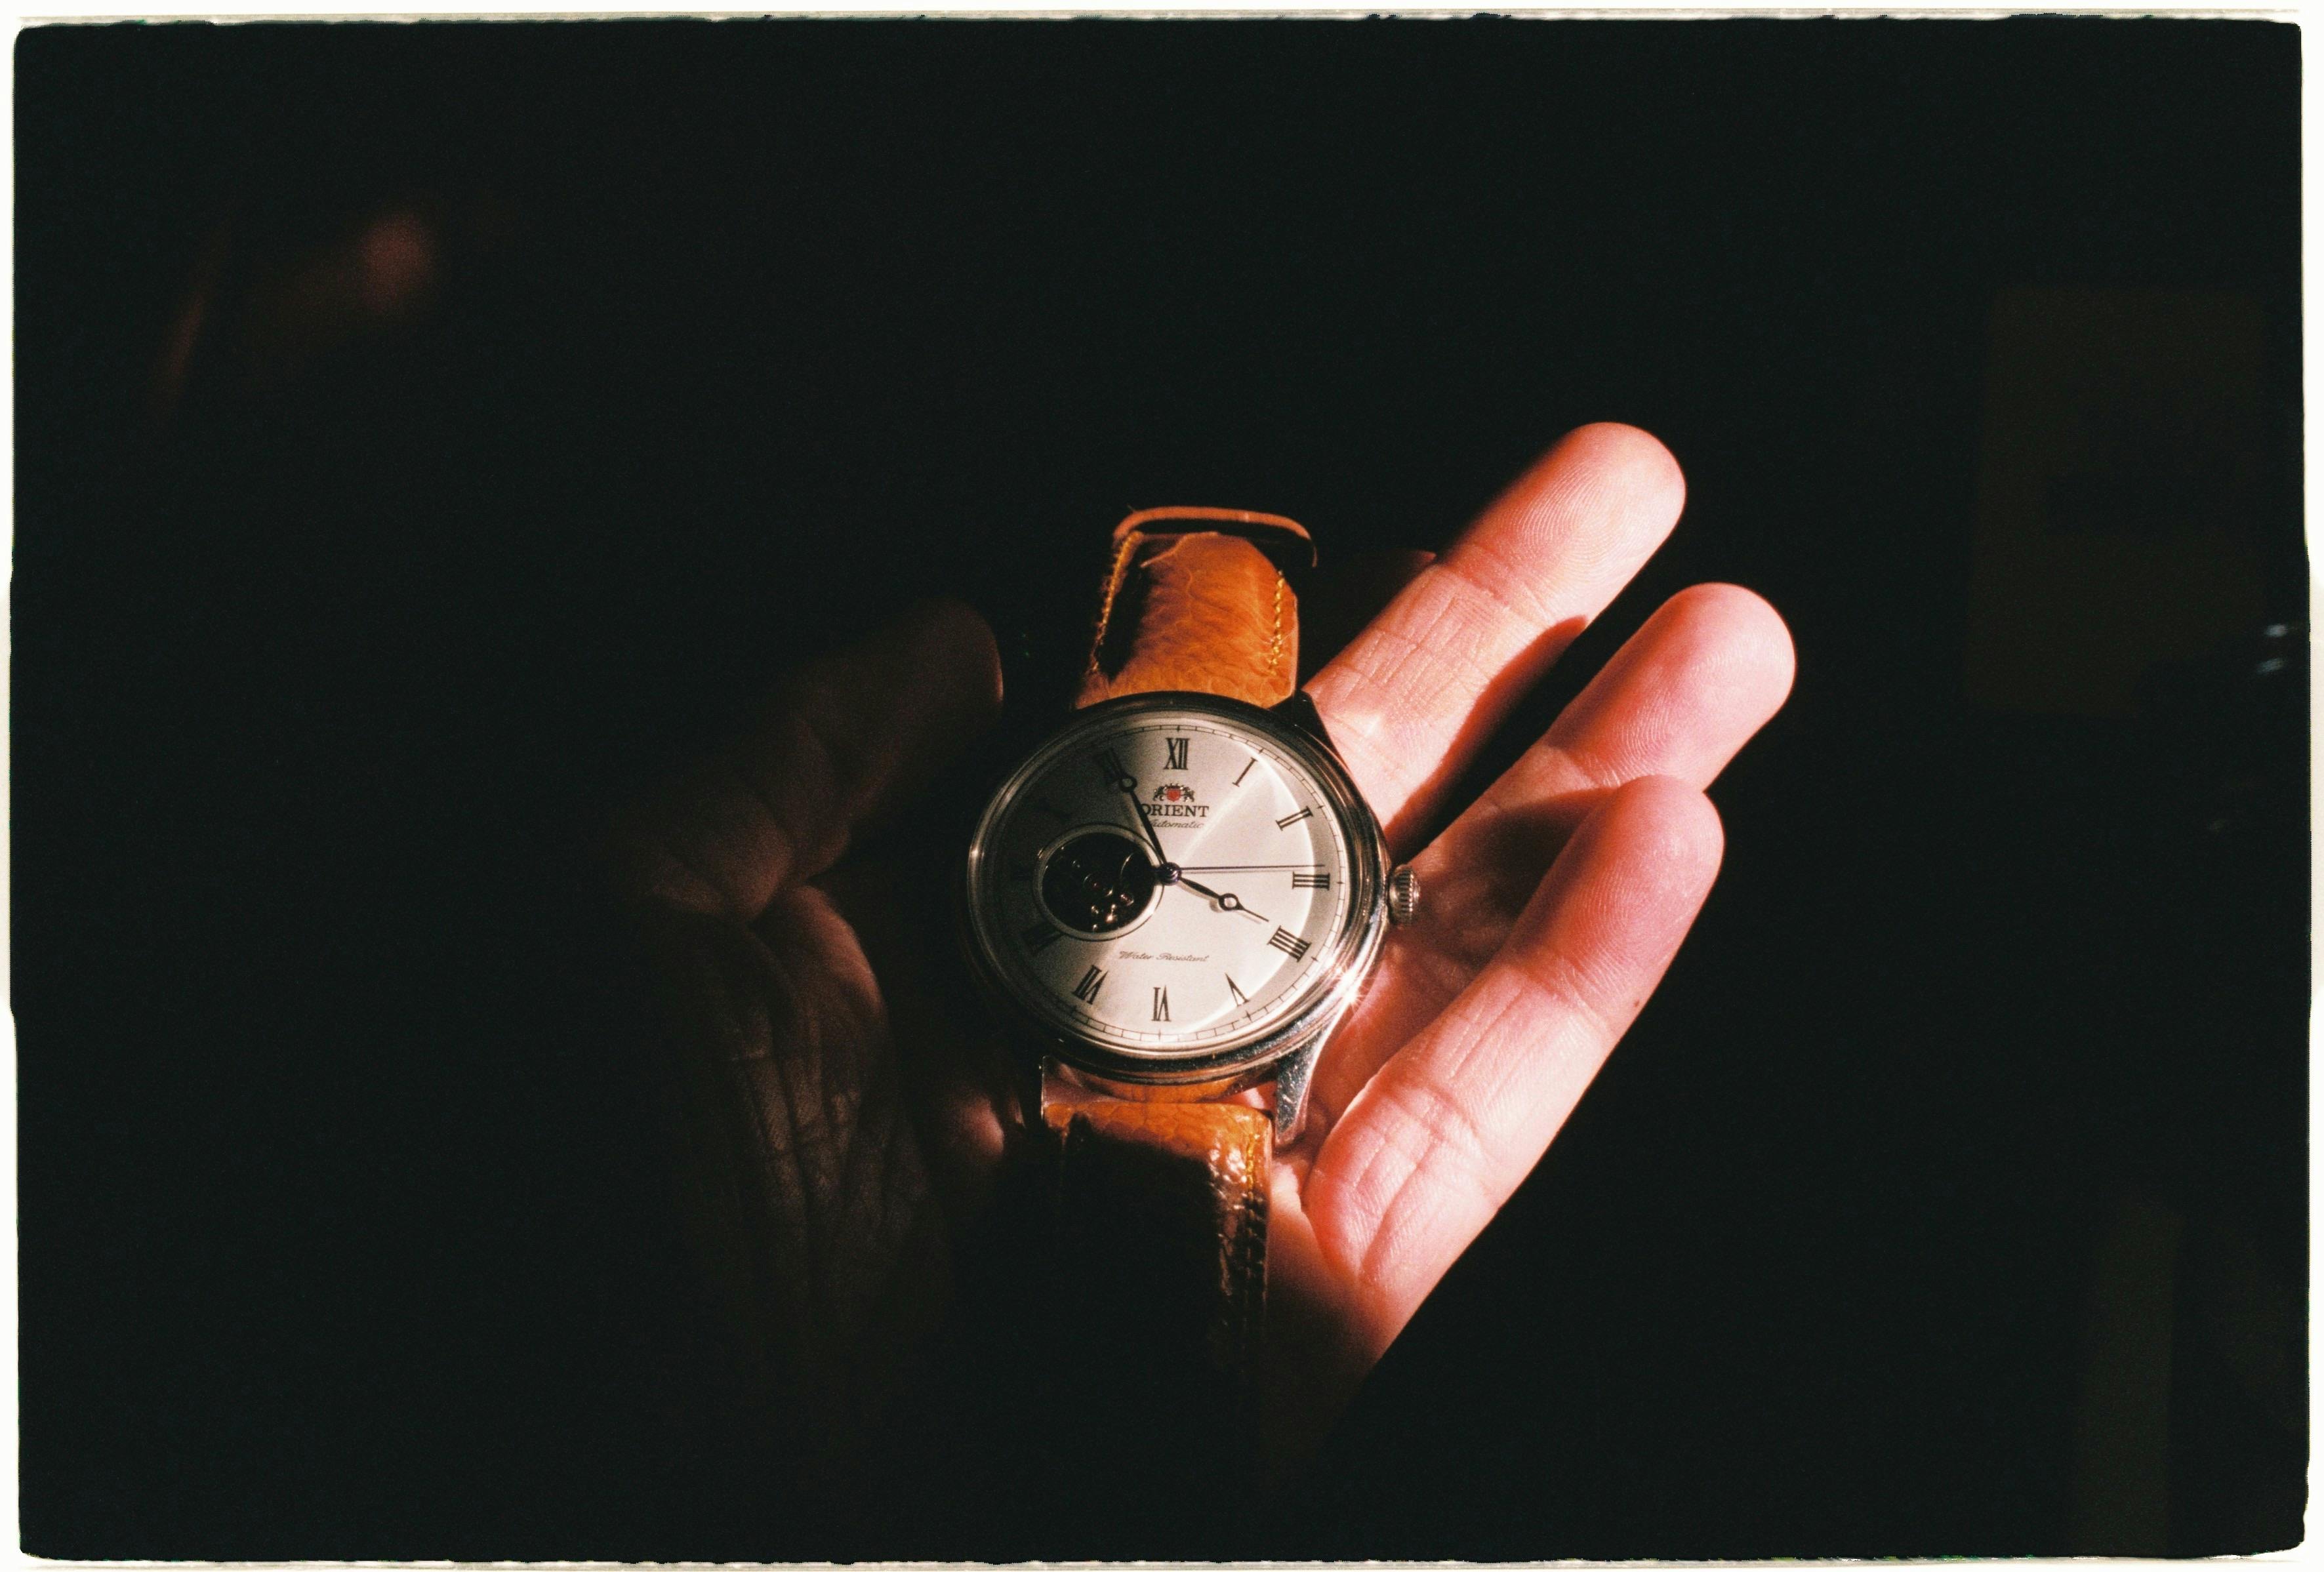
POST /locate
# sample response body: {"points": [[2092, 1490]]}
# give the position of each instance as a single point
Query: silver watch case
{"points": [[1282, 1054]]}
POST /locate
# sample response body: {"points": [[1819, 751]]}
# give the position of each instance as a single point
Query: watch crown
{"points": [[1403, 895]]}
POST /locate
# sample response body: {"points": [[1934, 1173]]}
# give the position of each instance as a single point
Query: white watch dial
{"points": [[1166, 883]]}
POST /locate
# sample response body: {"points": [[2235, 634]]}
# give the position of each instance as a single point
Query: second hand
{"points": [[1248, 867]]}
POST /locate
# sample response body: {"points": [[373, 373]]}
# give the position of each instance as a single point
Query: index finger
{"points": [[1417, 692]]}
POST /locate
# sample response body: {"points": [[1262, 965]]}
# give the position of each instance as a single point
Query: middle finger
{"points": [[1416, 694]]}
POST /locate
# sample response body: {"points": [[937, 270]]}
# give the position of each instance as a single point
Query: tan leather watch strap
{"points": [[1158, 1266], [1196, 601], [1177, 1190], [1161, 1274]]}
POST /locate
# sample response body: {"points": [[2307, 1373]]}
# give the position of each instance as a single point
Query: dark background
{"points": [[553, 385]]}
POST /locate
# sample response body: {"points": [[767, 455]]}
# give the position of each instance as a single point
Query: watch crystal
{"points": [[1166, 881]]}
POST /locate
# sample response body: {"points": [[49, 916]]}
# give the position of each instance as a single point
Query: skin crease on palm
{"points": [[870, 1121]]}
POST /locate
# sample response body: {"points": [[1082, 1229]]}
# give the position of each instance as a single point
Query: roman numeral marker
{"points": [[1161, 1003], [1086, 990], [1290, 943], [1241, 997], [1287, 823], [1175, 749], [1041, 935], [1108, 764], [1311, 881], [1246, 770]]}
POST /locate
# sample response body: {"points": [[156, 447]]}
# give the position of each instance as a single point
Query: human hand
{"points": [[847, 1117]]}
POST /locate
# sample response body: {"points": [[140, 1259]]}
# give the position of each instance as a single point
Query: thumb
{"points": [[838, 741]]}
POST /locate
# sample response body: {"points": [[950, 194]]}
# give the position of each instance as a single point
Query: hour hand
{"points": [[1227, 903]]}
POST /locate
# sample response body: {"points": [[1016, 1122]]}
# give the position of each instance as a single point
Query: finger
{"points": [[1444, 1133], [839, 741], [268, 301], [1416, 694], [1344, 600], [1678, 699]]}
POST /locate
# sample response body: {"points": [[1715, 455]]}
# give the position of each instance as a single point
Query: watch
{"points": [[1173, 901]]}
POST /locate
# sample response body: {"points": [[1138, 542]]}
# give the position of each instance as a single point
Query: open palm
{"points": [[844, 1130]]}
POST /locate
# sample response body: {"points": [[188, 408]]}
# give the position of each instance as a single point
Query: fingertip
{"points": [[1648, 469], [1626, 888], [1744, 625], [1607, 496], [1669, 824], [954, 642], [1668, 799]]}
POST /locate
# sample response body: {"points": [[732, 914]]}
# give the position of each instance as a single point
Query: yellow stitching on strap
{"points": [[1275, 648], [1112, 587]]}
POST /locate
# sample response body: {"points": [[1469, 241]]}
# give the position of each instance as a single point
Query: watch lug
{"points": [[1300, 711], [1291, 1093], [1032, 1078]]}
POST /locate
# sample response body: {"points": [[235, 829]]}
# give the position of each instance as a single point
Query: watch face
{"points": [[1171, 879]]}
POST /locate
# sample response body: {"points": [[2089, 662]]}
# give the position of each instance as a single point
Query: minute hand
{"points": [[1137, 812]]}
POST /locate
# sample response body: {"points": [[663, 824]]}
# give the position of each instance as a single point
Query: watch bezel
{"points": [[1318, 1007]]}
